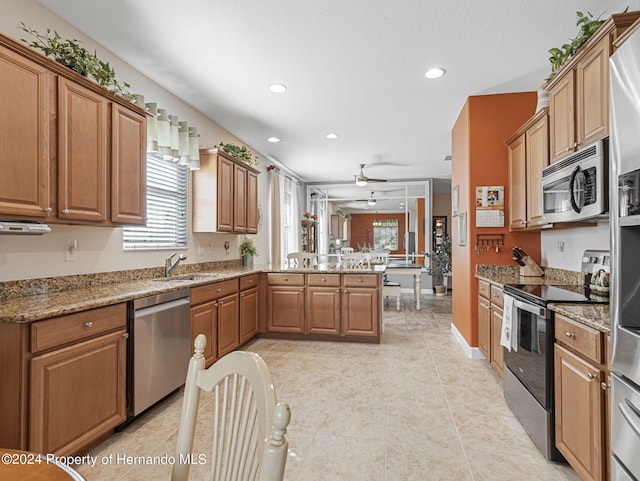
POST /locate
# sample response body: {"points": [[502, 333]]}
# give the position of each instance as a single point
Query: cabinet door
{"points": [[285, 309], [128, 166], [224, 209], [252, 203], [82, 153], [24, 130], [497, 351], [592, 94], [239, 199], [323, 310], [484, 327], [77, 394], [248, 314], [579, 414], [537, 148], [517, 184], [360, 312], [228, 324], [561, 111], [204, 321]]}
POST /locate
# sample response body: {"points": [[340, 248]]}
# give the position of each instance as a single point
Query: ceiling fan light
{"points": [[360, 182]]}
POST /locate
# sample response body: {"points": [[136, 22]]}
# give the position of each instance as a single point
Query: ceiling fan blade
{"points": [[369, 179]]}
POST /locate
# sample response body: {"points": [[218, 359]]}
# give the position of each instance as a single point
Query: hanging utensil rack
{"points": [[489, 242]]}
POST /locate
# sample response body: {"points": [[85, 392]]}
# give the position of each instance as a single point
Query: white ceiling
{"points": [[354, 67]]}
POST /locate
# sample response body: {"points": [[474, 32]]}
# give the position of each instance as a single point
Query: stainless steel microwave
{"points": [[576, 188]]}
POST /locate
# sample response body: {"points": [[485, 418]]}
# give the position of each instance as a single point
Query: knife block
{"points": [[530, 268]]}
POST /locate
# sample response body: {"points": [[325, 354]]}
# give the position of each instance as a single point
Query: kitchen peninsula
{"points": [[64, 341]]}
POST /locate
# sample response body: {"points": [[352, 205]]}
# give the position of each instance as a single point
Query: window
{"points": [[385, 234], [286, 224], [166, 208]]}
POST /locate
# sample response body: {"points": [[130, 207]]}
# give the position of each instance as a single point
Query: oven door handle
{"points": [[532, 308]]}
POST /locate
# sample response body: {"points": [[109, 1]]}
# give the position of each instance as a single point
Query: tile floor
{"points": [[412, 408]]}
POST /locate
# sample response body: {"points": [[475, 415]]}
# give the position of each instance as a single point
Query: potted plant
{"points": [[440, 264], [72, 55], [248, 251], [241, 153]]}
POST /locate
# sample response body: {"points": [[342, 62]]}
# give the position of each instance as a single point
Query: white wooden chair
{"points": [[346, 250], [249, 441], [391, 289], [302, 259], [379, 257], [357, 260]]}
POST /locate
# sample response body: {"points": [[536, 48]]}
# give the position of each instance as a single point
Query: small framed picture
{"points": [[454, 201], [462, 229]]}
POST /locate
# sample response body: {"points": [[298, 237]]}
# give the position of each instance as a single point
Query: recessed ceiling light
{"points": [[273, 140], [277, 88], [435, 72], [331, 136]]}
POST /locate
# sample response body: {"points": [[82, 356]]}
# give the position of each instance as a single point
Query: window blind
{"points": [[166, 208]]}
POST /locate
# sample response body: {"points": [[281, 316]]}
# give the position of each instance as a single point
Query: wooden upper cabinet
{"points": [[224, 187], [25, 133], [82, 153], [225, 195], [537, 154], [240, 199], [579, 92], [517, 184], [561, 98], [592, 101], [253, 216], [128, 166]]}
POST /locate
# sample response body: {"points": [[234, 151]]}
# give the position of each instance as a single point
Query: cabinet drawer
{"points": [[331, 280], [360, 280], [496, 296], [212, 291], [74, 327], [247, 282], [285, 279], [581, 338], [484, 289]]}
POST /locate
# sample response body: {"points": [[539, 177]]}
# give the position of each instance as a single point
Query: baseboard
{"points": [[471, 352]]}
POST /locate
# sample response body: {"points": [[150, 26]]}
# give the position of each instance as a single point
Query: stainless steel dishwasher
{"points": [[160, 348]]}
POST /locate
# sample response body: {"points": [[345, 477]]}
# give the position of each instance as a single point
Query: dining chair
{"points": [[380, 257], [302, 259], [346, 250], [357, 260], [249, 427]]}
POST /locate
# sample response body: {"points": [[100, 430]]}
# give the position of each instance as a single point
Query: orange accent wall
{"points": [[479, 157], [362, 229]]}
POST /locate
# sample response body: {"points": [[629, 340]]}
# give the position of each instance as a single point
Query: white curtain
{"points": [[296, 217], [275, 218]]}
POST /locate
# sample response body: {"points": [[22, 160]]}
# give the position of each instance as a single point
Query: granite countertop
{"points": [[46, 302], [592, 315]]}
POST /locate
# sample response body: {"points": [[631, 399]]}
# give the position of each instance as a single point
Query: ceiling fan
{"points": [[362, 180], [371, 200]]}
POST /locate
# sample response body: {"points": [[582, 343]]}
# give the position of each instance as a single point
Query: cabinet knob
{"points": [[285, 279], [301, 289], [242, 295], [126, 335], [218, 289], [570, 334], [89, 325], [604, 386], [359, 279], [250, 281], [323, 280], [345, 291], [65, 211], [338, 290], [590, 376], [576, 145], [221, 302], [47, 210], [568, 149]]}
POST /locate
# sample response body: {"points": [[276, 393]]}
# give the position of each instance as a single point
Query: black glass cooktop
{"points": [[543, 294]]}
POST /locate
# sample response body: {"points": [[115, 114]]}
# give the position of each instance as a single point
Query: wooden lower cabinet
{"points": [[579, 403], [286, 309], [204, 318], [228, 324], [360, 311], [249, 314], [497, 352], [323, 310], [484, 326], [490, 302], [77, 393]]}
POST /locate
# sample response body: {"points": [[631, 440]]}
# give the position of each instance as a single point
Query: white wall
{"points": [[576, 241], [100, 248]]}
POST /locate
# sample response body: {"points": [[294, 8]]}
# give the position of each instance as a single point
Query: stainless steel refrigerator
{"points": [[625, 252]]}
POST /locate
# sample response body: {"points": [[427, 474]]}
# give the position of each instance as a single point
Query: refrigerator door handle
{"points": [[630, 414]]}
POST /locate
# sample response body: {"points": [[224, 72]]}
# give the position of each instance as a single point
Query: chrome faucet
{"points": [[169, 267]]}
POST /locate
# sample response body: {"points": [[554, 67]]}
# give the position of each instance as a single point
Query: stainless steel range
{"points": [[528, 373]]}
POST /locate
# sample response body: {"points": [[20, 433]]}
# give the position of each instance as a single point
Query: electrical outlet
{"points": [[70, 251], [561, 246], [210, 248]]}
